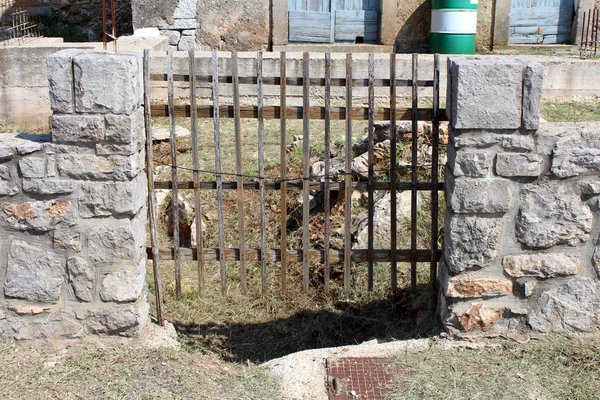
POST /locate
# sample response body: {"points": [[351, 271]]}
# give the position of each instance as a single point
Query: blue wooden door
{"points": [[540, 21], [326, 21]]}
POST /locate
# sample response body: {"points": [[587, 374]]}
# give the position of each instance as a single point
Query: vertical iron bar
{"points": [[114, 24], [261, 174], [219, 177], [371, 173], [393, 175], [414, 177], [238, 169], [435, 133], [306, 168], [283, 159], [326, 191], [196, 175], [104, 24], [174, 173], [152, 213], [348, 177]]}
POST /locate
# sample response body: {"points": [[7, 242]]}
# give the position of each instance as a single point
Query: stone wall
{"points": [[72, 206], [522, 247]]}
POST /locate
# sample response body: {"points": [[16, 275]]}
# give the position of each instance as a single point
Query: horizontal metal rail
{"points": [[297, 185]]}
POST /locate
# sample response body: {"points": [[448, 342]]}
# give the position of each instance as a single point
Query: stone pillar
{"points": [[73, 215], [522, 207]]}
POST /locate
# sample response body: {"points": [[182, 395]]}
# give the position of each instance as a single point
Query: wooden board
{"points": [[540, 21], [309, 26], [353, 24]]}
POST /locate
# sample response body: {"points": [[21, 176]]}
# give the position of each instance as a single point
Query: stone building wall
{"points": [[72, 207], [522, 247]]}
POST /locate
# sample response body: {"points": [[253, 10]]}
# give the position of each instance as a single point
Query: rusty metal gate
{"points": [[222, 87]]}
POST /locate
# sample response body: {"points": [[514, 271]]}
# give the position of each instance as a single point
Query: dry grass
{"points": [[565, 367], [566, 110], [126, 372]]}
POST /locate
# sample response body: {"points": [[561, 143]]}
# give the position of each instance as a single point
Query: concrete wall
{"points": [[522, 234], [244, 26], [24, 99], [72, 213]]}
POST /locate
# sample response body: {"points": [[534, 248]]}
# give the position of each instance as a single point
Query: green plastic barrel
{"points": [[453, 26]]}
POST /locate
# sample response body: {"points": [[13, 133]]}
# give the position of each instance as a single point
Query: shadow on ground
{"points": [[406, 315]]}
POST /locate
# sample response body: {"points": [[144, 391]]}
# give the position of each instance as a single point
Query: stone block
{"points": [[474, 164], [518, 143], [476, 140], [77, 128], [479, 196], [486, 93], [596, 259], [49, 327], [125, 129], [125, 285], [552, 214], [172, 35], [470, 285], [89, 166], [575, 155], [25, 147], [187, 43], [8, 185], [60, 80], [81, 278], [540, 265], [479, 315], [67, 238], [471, 242], [532, 95], [117, 149], [518, 164], [572, 307], [526, 286], [106, 83], [33, 167], [590, 186], [112, 198], [123, 321], [33, 274], [48, 186], [6, 152], [38, 216], [122, 242], [186, 9], [179, 24]]}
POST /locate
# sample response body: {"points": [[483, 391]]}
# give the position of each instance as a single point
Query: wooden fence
{"points": [[282, 112]]}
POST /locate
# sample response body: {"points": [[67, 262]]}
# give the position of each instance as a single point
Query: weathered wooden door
{"points": [[326, 21], [540, 21]]}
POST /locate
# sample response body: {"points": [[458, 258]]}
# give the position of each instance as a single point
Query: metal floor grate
{"points": [[359, 378]]}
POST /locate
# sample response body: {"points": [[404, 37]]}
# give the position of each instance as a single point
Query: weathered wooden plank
{"points": [[261, 173], [352, 24], [174, 178], [237, 127], [540, 30], [196, 174], [219, 178], [283, 161], [541, 39], [393, 177], [371, 174], [435, 144], [306, 169], [291, 112], [292, 81], [309, 26], [348, 179], [414, 176], [316, 255], [327, 194], [152, 208]]}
